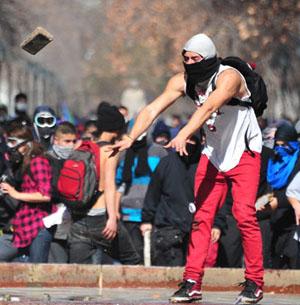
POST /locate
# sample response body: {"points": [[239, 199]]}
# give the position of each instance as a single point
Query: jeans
{"points": [[7, 251], [86, 241], [38, 250], [123, 247], [40, 246], [88, 245]]}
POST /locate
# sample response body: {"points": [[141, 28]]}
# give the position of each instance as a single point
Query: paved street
{"points": [[91, 296]]}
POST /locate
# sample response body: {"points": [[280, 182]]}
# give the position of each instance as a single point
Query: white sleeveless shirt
{"points": [[225, 146]]}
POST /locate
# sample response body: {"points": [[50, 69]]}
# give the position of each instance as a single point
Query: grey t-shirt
{"points": [[293, 189]]}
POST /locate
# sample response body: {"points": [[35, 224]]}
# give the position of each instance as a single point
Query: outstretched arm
{"points": [[173, 90]]}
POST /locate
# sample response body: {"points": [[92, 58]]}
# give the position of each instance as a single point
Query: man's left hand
{"points": [[179, 144]]}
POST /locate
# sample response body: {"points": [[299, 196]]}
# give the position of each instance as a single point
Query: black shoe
{"points": [[251, 294], [189, 291]]}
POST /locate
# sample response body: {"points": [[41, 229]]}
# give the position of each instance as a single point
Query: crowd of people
{"points": [[154, 191], [88, 195]]}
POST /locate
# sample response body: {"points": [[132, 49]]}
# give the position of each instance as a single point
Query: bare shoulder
{"points": [[176, 82], [230, 75], [230, 80]]}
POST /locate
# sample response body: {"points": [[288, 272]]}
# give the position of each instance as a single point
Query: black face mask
{"points": [[45, 132], [15, 157], [200, 72]]}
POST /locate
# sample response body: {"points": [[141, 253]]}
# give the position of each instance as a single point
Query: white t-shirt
{"points": [[225, 146]]}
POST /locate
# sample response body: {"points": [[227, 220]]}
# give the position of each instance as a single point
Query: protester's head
{"points": [[90, 131], [199, 47], [285, 134], [200, 62], [21, 146], [161, 133], [102, 104], [44, 122], [110, 120], [21, 103], [285, 142], [64, 139]]}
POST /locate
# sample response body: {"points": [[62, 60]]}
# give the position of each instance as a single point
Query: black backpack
{"points": [[255, 83]]}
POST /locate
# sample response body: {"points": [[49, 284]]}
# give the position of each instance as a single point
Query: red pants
{"points": [[210, 192]]}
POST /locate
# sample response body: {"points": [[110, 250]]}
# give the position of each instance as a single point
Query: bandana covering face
{"points": [[62, 151], [281, 167], [198, 73]]}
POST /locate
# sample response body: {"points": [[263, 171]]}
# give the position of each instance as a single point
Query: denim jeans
{"points": [[40, 246], [7, 251], [37, 252], [86, 242], [88, 245]]}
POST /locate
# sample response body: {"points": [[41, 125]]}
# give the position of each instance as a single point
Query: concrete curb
{"points": [[110, 276]]}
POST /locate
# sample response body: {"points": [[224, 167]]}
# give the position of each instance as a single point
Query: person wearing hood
{"points": [[44, 123], [282, 168], [224, 157]]}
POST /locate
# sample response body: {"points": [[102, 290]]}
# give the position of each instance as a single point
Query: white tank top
{"points": [[225, 146]]}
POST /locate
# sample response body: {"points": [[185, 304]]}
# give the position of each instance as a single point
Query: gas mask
{"points": [[14, 156]]}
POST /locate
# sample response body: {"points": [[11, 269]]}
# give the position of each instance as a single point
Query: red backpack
{"points": [[76, 179]]}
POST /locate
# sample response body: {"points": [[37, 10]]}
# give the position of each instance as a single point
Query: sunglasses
{"points": [[45, 121]]}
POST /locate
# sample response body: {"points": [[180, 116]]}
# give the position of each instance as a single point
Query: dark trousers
{"points": [[59, 252], [86, 239], [169, 247], [124, 249], [230, 246], [134, 231], [87, 245]]}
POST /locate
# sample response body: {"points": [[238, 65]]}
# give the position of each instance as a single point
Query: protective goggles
{"points": [[13, 142], [43, 120]]}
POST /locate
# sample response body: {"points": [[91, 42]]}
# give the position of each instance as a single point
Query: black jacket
{"points": [[169, 193]]}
